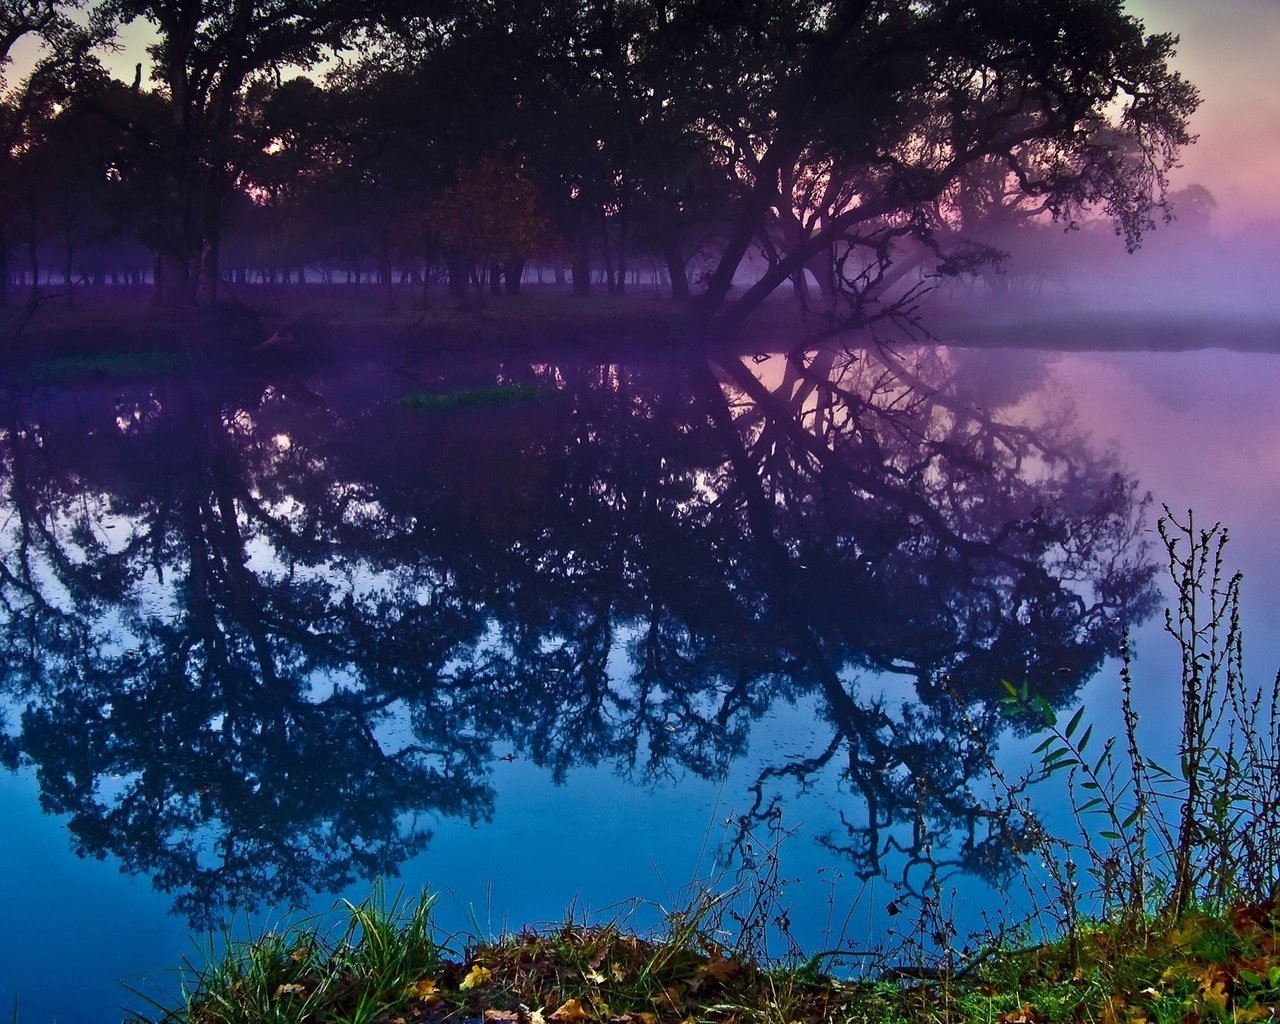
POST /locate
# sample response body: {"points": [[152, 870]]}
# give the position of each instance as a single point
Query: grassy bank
{"points": [[386, 963]]}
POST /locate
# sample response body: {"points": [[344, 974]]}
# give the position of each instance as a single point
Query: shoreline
{"points": [[286, 326]]}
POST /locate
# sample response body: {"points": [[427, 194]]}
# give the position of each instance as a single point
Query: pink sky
{"points": [[1231, 50]]}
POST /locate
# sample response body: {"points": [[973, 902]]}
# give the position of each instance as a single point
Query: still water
{"points": [[550, 633]]}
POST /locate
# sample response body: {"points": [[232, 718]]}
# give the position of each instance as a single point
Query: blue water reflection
{"points": [[557, 627]]}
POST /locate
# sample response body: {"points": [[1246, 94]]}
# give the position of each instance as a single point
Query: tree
{"points": [[64, 64], [492, 220], [837, 124], [206, 54]]}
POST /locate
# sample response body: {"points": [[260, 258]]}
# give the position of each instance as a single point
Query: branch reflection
{"points": [[260, 635]]}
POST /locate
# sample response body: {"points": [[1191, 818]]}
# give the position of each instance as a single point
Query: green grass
{"points": [[380, 962]]}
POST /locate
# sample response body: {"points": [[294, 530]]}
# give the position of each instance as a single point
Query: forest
{"points": [[855, 152]]}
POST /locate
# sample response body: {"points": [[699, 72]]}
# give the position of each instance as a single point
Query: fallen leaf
{"points": [[501, 1016], [571, 1012], [425, 990], [616, 971], [290, 990], [1024, 1014], [720, 969], [595, 977], [476, 977]]}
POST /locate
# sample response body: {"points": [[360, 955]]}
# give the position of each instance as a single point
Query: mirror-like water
{"points": [[535, 630]]}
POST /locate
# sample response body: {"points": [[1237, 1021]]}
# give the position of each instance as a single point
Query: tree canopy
{"points": [[848, 147]]}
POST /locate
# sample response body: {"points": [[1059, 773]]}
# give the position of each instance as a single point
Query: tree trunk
{"points": [[68, 270], [457, 265], [208, 285], [175, 287], [513, 271], [389, 278], [622, 255], [674, 256], [582, 260], [822, 267], [610, 281], [33, 261]]}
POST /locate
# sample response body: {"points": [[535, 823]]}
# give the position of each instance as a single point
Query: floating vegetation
{"points": [[108, 366], [463, 398]]}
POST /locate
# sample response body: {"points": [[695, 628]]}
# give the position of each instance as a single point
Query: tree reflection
{"points": [[260, 635]]}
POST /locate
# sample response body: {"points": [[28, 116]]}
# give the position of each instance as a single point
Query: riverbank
{"points": [[282, 323], [388, 964]]}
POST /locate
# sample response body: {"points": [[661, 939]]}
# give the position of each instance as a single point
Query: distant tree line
{"points": [[853, 150]]}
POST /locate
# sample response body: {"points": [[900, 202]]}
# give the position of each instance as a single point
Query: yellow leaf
{"points": [[476, 977], [616, 971], [595, 977], [1214, 995], [426, 990], [571, 1012], [290, 990]]}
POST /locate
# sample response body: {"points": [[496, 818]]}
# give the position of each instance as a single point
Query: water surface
{"points": [[537, 631]]}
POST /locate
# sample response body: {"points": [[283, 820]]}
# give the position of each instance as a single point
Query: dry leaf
{"points": [[290, 990], [571, 1012], [476, 977], [720, 969], [426, 990], [501, 1016]]}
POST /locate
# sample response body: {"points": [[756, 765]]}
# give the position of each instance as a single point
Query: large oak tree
{"points": [[840, 125]]}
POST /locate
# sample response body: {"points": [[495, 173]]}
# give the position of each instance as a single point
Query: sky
{"points": [[1231, 50]]}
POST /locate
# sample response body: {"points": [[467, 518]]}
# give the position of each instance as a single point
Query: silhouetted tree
{"points": [[207, 53], [839, 123], [63, 66]]}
